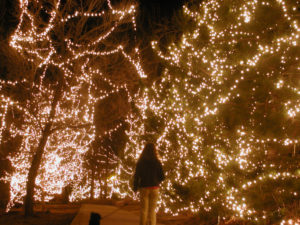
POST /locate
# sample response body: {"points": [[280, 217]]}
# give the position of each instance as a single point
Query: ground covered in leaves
{"points": [[38, 219], [60, 214]]}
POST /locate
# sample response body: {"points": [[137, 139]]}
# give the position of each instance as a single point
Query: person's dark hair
{"points": [[149, 152]]}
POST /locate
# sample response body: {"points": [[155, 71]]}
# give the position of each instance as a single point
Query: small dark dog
{"points": [[95, 219]]}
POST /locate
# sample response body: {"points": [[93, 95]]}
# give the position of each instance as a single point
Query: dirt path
{"points": [[111, 215]]}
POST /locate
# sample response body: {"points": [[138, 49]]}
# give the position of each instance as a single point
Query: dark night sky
{"points": [[164, 8], [155, 11], [8, 17]]}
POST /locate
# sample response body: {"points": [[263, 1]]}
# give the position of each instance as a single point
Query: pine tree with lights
{"points": [[226, 111], [77, 53]]}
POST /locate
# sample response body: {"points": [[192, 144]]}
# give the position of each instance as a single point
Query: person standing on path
{"points": [[147, 177]]}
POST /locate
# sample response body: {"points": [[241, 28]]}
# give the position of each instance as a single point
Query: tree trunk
{"points": [[106, 176], [36, 161], [92, 182], [101, 185]]}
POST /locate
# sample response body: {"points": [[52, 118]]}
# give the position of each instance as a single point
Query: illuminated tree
{"points": [[80, 55], [226, 110], [102, 160]]}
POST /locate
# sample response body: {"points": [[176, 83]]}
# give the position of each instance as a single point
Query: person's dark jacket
{"points": [[148, 173]]}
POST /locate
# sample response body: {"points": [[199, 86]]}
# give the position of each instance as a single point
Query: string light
{"points": [[186, 107], [73, 129], [184, 111]]}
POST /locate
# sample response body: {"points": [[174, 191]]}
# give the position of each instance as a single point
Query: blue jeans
{"points": [[148, 201]]}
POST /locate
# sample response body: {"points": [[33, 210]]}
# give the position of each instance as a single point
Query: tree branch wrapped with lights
{"points": [[77, 51]]}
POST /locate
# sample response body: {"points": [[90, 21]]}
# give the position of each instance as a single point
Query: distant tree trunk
{"points": [[93, 182], [36, 161], [106, 176], [101, 186]]}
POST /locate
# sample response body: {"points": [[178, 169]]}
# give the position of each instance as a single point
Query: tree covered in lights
{"points": [[225, 111], [78, 55]]}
